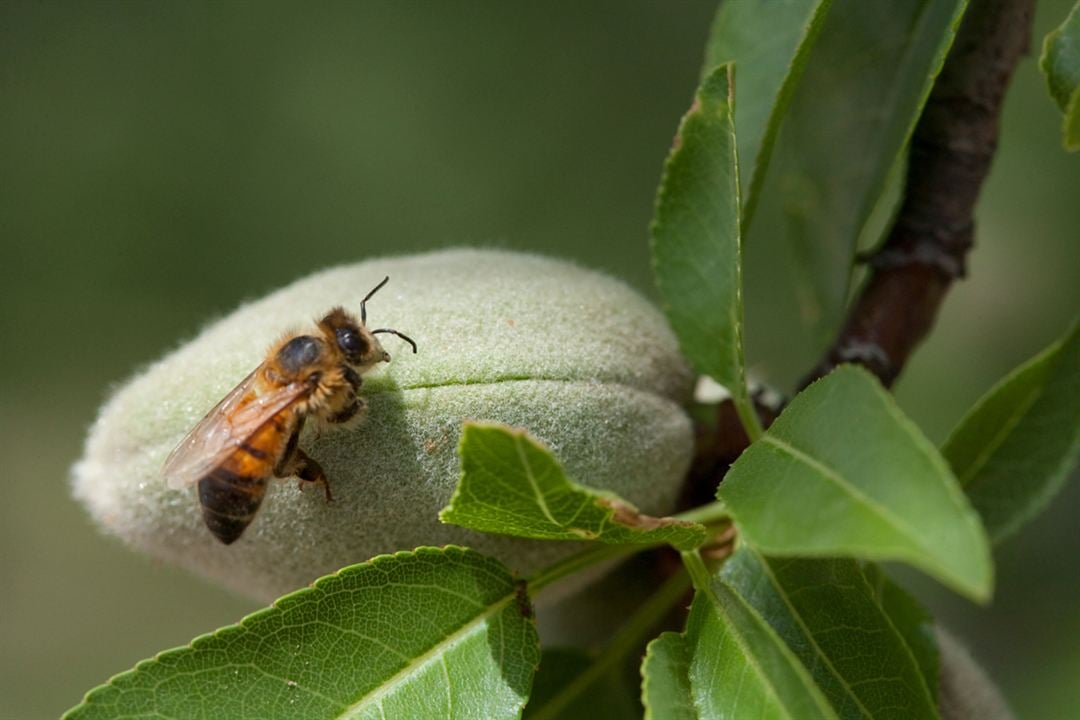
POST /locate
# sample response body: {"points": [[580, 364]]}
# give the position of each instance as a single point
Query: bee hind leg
{"points": [[310, 471]]}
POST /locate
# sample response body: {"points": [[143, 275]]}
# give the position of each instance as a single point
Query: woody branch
{"points": [[926, 249]]}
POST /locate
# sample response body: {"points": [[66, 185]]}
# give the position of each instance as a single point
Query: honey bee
{"points": [[253, 433]]}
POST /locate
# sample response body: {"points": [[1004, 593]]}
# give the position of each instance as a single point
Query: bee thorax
{"points": [[298, 354], [333, 395]]}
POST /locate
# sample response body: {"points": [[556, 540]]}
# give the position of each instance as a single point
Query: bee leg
{"points": [[352, 377], [287, 462], [310, 471], [348, 412]]}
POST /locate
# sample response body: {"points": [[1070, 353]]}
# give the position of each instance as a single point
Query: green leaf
{"points": [[842, 472], [696, 238], [599, 681], [608, 698], [864, 85], [769, 42], [665, 679], [1060, 63], [728, 664], [434, 633], [1060, 59], [829, 615], [911, 620], [512, 485], [1014, 449], [1071, 129]]}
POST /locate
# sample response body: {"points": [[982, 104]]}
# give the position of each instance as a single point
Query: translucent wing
{"points": [[226, 427]]}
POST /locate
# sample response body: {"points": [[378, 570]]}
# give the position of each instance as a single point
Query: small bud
{"points": [[584, 363]]}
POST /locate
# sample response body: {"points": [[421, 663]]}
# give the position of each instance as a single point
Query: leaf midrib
{"points": [[387, 687], [969, 478], [752, 658], [533, 484], [808, 37], [895, 522], [821, 654]]}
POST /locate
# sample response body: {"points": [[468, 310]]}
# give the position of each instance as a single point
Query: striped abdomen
{"points": [[230, 495]]}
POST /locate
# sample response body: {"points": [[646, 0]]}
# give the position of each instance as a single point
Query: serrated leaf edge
{"points": [[980, 593], [285, 600], [619, 511], [811, 32], [667, 636]]}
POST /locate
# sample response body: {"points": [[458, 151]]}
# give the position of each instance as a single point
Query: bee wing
{"points": [[227, 426]]}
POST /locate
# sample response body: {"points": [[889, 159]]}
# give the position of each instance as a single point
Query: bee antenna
{"points": [[363, 303], [403, 336]]}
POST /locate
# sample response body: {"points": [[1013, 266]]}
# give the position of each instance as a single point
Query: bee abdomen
{"points": [[229, 502]]}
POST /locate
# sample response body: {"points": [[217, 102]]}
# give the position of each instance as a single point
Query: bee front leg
{"points": [[347, 413], [354, 405], [352, 377], [310, 471]]}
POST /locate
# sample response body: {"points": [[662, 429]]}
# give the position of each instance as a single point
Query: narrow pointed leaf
{"points": [[768, 41], [728, 664], [696, 239], [731, 664], [842, 472], [1060, 63], [912, 621], [1071, 128], [829, 616], [434, 633], [512, 485], [1060, 59], [1014, 449], [865, 82]]}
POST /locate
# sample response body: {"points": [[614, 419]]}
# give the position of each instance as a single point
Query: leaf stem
{"points": [[747, 414], [580, 561], [630, 636], [699, 573], [709, 514]]}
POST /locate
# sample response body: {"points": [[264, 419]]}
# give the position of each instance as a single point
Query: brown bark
{"points": [[951, 152], [926, 249]]}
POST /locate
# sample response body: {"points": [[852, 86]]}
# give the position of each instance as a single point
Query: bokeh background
{"points": [[162, 162]]}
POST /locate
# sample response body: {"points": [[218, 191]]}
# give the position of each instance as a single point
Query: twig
{"points": [[951, 152], [717, 443], [926, 249]]}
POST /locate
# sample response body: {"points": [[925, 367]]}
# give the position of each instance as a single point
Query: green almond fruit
{"points": [[584, 363]]}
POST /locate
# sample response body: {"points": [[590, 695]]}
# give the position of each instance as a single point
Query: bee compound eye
{"points": [[350, 341]]}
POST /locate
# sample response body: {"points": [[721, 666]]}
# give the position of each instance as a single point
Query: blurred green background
{"points": [[160, 163]]}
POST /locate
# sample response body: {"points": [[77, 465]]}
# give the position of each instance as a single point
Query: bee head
{"points": [[354, 339], [360, 348]]}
